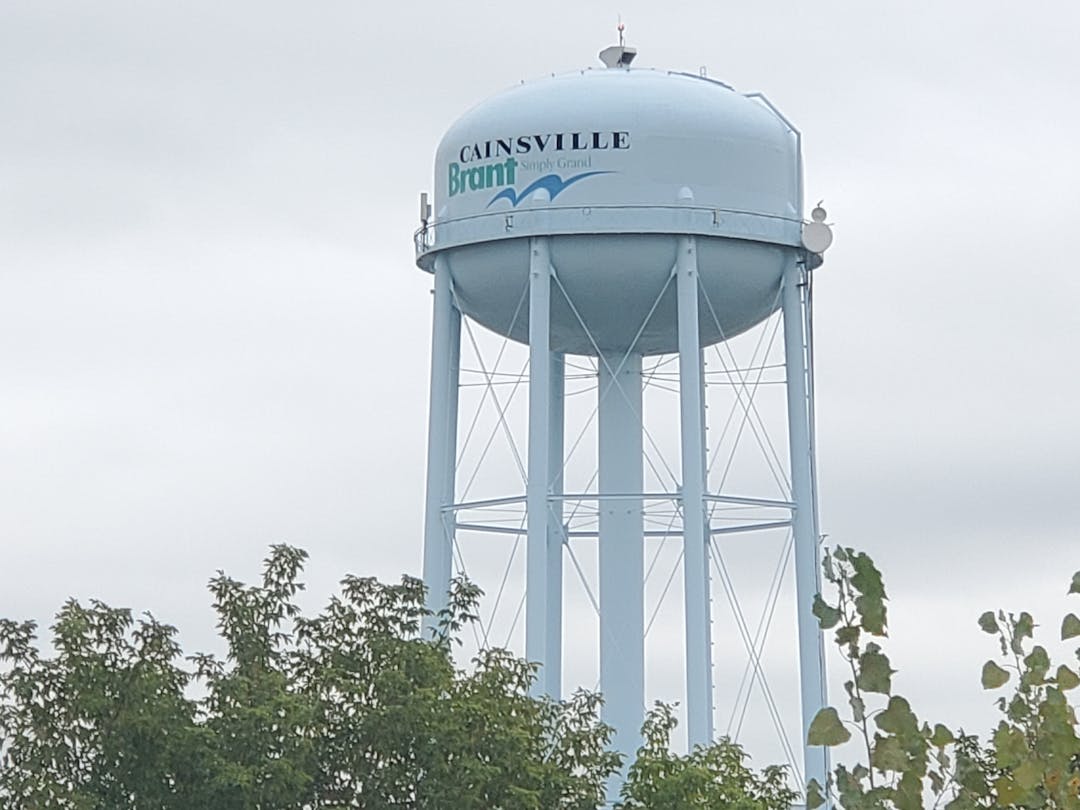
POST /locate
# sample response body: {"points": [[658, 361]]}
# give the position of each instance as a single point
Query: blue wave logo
{"points": [[551, 183]]}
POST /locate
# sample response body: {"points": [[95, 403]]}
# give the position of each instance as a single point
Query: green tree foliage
{"points": [[714, 776], [350, 708], [1032, 759]]}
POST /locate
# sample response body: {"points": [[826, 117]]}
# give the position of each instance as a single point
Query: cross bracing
{"points": [[747, 500]]}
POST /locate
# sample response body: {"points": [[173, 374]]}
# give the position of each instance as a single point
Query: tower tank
{"points": [[622, 213], [612, 165]]}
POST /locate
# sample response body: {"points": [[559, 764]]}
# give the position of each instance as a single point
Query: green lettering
{"points": [[474, 178], [494, 175]]}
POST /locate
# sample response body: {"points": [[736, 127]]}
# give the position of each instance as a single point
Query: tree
{"points": [[349, 708], [105, 719], [708, 777], [1032, 759]]}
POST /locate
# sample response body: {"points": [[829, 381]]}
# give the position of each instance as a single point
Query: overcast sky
{"points": [[213, 336]]}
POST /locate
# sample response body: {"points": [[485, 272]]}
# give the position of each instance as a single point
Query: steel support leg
{"points": [[442, 444], [699, 715], [537, 613], [807, 567], [556, 416], [621, 550]]}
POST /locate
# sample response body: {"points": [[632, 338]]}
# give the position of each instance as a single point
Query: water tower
{"points": [[620, 214]]}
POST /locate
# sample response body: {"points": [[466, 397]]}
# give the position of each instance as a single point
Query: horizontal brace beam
{"points": [[480, 527], [514, 531], [738, 499], [593, 534], [457, 507], [619, 496], [754, 527], [616, 496]]}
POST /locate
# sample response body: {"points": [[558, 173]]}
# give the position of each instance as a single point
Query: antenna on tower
{"points": [[618, 55]]}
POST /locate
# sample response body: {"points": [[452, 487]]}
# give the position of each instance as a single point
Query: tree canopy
{"points": [[350, 708], [354, 708]]}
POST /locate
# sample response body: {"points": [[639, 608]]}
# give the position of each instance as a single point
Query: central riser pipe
{"points": [[621, 549]]}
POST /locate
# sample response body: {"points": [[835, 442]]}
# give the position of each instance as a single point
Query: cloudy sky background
{"points": [[213, 336]]}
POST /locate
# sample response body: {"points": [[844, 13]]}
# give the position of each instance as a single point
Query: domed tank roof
{"points": [[617, 137], [613, 164]]}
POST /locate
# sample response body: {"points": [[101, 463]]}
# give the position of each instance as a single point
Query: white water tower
{"points": [[621, 214]]}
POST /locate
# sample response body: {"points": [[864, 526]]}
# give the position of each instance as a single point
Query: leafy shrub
{"points": [[1032, 759]]}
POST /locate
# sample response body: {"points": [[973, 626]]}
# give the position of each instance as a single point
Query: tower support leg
{"points": [[621, 549], [699, 714], [537, 593], [804, 522], [442, 444], [557, 418]]}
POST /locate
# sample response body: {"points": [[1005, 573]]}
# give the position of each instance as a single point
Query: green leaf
{"points": [[937, 783], [1008, 792], [814, 795], [848, 634], [988, 623], [827, 729], [898, 718], [941, 736], [1025, 625], [1067, 679], [828, 567], [1038, 664], [858, 709], [874, 673], [993, 676], [867, 579], [1028, 774], [828, 616], [908, 794], [1015, 709], [1070, 627], [1075, 586], [888, 754], [1010, 747], [872, 613]]}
